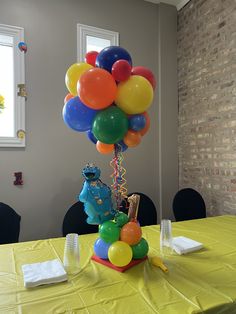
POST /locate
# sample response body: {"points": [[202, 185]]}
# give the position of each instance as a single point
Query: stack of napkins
{"points": [[43, 273], [183, 245]]}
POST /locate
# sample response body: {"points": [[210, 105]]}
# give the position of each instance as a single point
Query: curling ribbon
{"points": [[123, 189], [119, 181]]}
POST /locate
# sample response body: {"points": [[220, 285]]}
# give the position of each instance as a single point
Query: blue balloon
{"points": [[122, 146], [91, 136], [101, 248], [109, 55], [137, 122], [77, 116]]}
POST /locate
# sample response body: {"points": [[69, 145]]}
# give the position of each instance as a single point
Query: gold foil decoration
{"points": [[133, 206]]}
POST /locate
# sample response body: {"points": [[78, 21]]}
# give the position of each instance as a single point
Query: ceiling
{"points": [[178, 3]]}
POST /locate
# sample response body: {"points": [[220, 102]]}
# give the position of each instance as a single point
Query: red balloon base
{"points": [[120, 269]]}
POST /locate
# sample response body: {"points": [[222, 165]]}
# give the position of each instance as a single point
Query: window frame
{"points": [[86, 30], [19, 78]]}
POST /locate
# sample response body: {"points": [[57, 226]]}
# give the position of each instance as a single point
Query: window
{"points": [[92, 38], [12, 102]]}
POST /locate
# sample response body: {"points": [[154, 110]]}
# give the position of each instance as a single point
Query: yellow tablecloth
{"points": [[197, 282]]}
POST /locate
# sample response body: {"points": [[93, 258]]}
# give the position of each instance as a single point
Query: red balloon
{"points": [[90, 57], [147, 125], [145, 72], [121, 70]]}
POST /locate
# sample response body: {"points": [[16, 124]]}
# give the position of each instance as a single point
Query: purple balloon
{"points": [[77, 116], [91, 137], [101, 248]]}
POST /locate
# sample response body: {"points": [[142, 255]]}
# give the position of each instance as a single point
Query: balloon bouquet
{"points": [[108, 100]]}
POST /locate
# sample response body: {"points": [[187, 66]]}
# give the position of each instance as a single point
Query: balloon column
{"points": [[108, 100]]}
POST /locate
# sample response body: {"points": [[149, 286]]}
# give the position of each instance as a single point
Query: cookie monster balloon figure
{"points": [[96, 197]]}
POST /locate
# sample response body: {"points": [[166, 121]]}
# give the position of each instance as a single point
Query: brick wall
{"points": [[207, 102]]}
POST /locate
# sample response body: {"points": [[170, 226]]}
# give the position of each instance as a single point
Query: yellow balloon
{"points": [[134, 95], [120, 253], [2, 100], [73, 74]]}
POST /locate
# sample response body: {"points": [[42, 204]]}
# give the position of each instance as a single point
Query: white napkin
{"points": [[43, 273], [183, 245]]}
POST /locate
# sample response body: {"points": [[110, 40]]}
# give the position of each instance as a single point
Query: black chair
{"points": [[188, 204], [147, 214], [9, 224], [75, 221]]}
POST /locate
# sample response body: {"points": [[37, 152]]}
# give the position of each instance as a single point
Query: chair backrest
{"points": [[9, 224], [75, 221], [188, 204], [147, 214]]}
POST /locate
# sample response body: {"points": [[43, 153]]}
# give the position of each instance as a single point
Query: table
{"points": [[197, 282]]}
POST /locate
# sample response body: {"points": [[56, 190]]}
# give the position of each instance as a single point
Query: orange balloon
{"points": [[132, 138], [147, 125], [104, 148], [97, 88], [68, 97], [131, 233]]}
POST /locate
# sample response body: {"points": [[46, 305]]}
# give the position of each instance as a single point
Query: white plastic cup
{"points": [[71, 259], [166, 246]]}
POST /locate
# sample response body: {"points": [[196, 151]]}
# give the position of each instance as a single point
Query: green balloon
{"points": [[140, 250], [109, 232], [121, 219], [110, 125]]}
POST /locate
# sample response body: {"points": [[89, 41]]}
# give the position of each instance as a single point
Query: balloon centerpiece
{"points": [[108, 100]]}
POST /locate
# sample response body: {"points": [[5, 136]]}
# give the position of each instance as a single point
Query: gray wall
{"points": [[207, 106], [168, 108], [54, 155]]}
